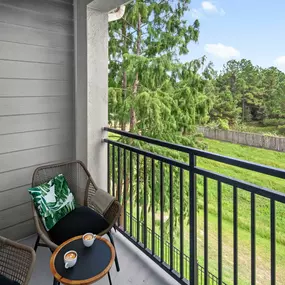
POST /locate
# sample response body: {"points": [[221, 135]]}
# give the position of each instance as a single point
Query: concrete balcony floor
{"points": [[136, 268]]}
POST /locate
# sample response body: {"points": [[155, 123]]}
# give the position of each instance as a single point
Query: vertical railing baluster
{"points": [[220, 239], [171, 215], [181, 224], [113, 170], [138, 197], [125, 190], [145, 201], [206, 255], [193, 221], [119, 180], [153, 204], [131, 193], [235, 231], [273, 241], [162, 211], [253, 241], [108, 169]]}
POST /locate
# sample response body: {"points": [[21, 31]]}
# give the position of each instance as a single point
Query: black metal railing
{"points": [[160, 187], [213, 280]]}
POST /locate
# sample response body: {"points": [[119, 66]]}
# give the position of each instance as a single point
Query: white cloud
{"points": [[280, 62], [209, 7], [222, 51]]}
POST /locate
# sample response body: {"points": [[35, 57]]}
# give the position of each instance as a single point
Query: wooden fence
{"points": [[249, 139]]}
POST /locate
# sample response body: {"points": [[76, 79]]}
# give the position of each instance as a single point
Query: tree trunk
{"points": [[132, 111], [124, 87], [243, 109], [124, 80], [122, 216], [136, 83]]}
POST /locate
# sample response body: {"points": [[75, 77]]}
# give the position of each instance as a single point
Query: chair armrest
{"points": [[113, 213], [100, 200], [19, 260], [41, 232]]}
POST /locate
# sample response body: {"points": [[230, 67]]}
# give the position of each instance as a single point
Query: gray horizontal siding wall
{"points": [[36, 101]]}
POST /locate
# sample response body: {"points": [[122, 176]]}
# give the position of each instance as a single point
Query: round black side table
{"points": [[93, 263]]}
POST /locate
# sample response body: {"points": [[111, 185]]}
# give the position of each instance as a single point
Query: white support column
{"points": [[80, 31], [97, 114], [91, 83]]}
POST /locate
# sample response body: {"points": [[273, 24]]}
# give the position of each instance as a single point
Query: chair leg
{"points": [[116, 256], [37, 243], [109, 277]]}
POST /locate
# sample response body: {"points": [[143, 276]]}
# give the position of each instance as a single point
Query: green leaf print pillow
{"points": [[53, 200]]}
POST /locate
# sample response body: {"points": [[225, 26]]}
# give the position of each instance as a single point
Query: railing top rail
{"points": [[261, 191], [150, 154], [268, 170]]}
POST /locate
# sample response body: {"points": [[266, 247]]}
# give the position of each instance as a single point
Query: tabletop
{"points": [[93, 263]]}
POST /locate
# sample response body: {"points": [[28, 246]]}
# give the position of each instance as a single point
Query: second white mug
{"points": [[88, 239]]}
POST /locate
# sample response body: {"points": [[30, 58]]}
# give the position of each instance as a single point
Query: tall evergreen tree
{"points": [[144, 55], [273, 82], [151, 91]]}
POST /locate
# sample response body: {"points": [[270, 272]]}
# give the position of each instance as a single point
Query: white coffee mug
{"points": [[91, 238], [70, 261]]}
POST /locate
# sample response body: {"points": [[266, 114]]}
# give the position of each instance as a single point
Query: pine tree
{"points": [[151, 92], [152, 34]]}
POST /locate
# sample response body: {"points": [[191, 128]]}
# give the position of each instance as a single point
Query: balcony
{"points": [[181, 223], [157, 245]]}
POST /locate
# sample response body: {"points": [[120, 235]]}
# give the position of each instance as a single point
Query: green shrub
{"points": [[273, 122], [281, 129], [222, 124]]}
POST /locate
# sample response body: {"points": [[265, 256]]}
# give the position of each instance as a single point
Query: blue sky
{"points": [[235, 29]]}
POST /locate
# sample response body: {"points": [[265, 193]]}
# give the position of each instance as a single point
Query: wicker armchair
{"points": [[16, 261], [83, 188]]}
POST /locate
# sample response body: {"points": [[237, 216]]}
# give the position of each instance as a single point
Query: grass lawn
{"points": [[267, 157], [244, 259], [252, 154]]}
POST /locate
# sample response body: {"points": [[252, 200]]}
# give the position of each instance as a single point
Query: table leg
{"points": [[55, 282], [109, 277]]}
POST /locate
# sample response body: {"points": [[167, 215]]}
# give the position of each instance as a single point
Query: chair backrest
{"points": [[75, 172], [16, 261]]}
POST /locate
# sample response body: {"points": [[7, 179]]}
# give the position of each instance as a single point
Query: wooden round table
{"points": [[93, 263]]}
